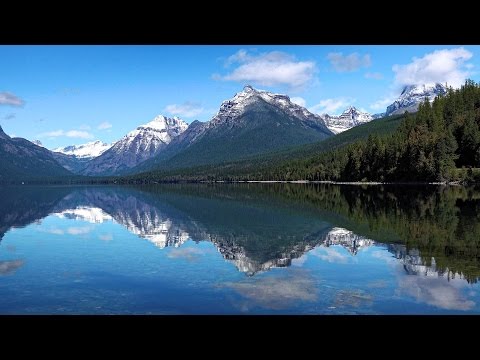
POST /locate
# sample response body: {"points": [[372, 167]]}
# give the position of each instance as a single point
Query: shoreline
{"points": [[119, 183], [454, 183]]}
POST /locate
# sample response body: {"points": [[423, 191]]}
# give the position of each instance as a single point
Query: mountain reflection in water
{"points": [[426, 239]]}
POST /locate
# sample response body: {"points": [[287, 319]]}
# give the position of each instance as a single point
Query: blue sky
{"points": [[64, 95]]}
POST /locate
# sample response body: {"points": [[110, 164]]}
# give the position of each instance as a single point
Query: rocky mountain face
{"points": [[413, 95], [141, 144], [252, 122], [350, 118], [21, 159]]}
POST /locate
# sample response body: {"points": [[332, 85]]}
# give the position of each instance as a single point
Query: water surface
{"points": [[239, 249]]}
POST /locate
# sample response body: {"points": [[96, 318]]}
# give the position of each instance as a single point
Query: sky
{"points": [[66, 95]]}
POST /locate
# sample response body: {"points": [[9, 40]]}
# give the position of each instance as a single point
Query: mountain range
{"points": [[252, 123]]}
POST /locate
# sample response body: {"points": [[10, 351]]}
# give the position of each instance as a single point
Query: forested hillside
{"points": [[441, 142]]}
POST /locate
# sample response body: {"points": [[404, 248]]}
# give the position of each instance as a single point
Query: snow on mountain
{"points": [[351, 117], [235, 106], [37, 142], [413, 95], [152, 135], [232, 109], [88, 150], [137, 146]]}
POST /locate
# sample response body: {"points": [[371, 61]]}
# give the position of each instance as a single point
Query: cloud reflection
{"points": [[275, 293], [189, 253], [438, 292], [8, 267]]}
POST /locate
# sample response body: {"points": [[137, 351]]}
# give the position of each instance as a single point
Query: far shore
{"points": [[107, 183], [334, 182]]}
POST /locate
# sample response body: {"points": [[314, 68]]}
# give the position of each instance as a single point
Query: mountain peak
{"points": [[162, 123], [412, 95], [350, 110], [3, 135], [350, 117], [141, 144], [234, 107], [248, 88]]}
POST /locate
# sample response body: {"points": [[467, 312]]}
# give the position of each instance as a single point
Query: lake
{"points": [[240, 249]]}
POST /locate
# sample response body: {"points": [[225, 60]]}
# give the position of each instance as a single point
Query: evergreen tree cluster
{"points": [[431, 145]]}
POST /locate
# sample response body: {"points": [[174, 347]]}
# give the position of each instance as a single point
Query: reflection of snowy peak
{"points": [[349, 240], [413, 263], [351, 117], [160, 232], [238, 256]]}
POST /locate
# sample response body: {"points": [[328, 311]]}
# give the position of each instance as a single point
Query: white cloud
{"points": [[350, 62], [330, 106], [71, 133], [187, 109], [79, 230], [9, 266], [444, 66], [382, 103], [104, 125], [437, 291], [70, 230], [300, 261], [106, 237], [269, 69], [298, 100], [275, 293], [330, 255], [55, 231], [7, 98], [84, 127], [187, 253], [240, 56], [374, 75]]}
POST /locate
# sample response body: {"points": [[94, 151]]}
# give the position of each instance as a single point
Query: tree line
{"points": [[439, 143]]}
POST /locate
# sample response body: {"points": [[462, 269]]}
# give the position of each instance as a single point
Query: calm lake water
{"points": [[239, 249]]}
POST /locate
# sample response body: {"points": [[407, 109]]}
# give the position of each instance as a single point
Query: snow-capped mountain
{"points": [[138, 145], [252, 122], [351, 117], [231, 110], [88, 150], [234, 107], [37, 142], [413, 95]]}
